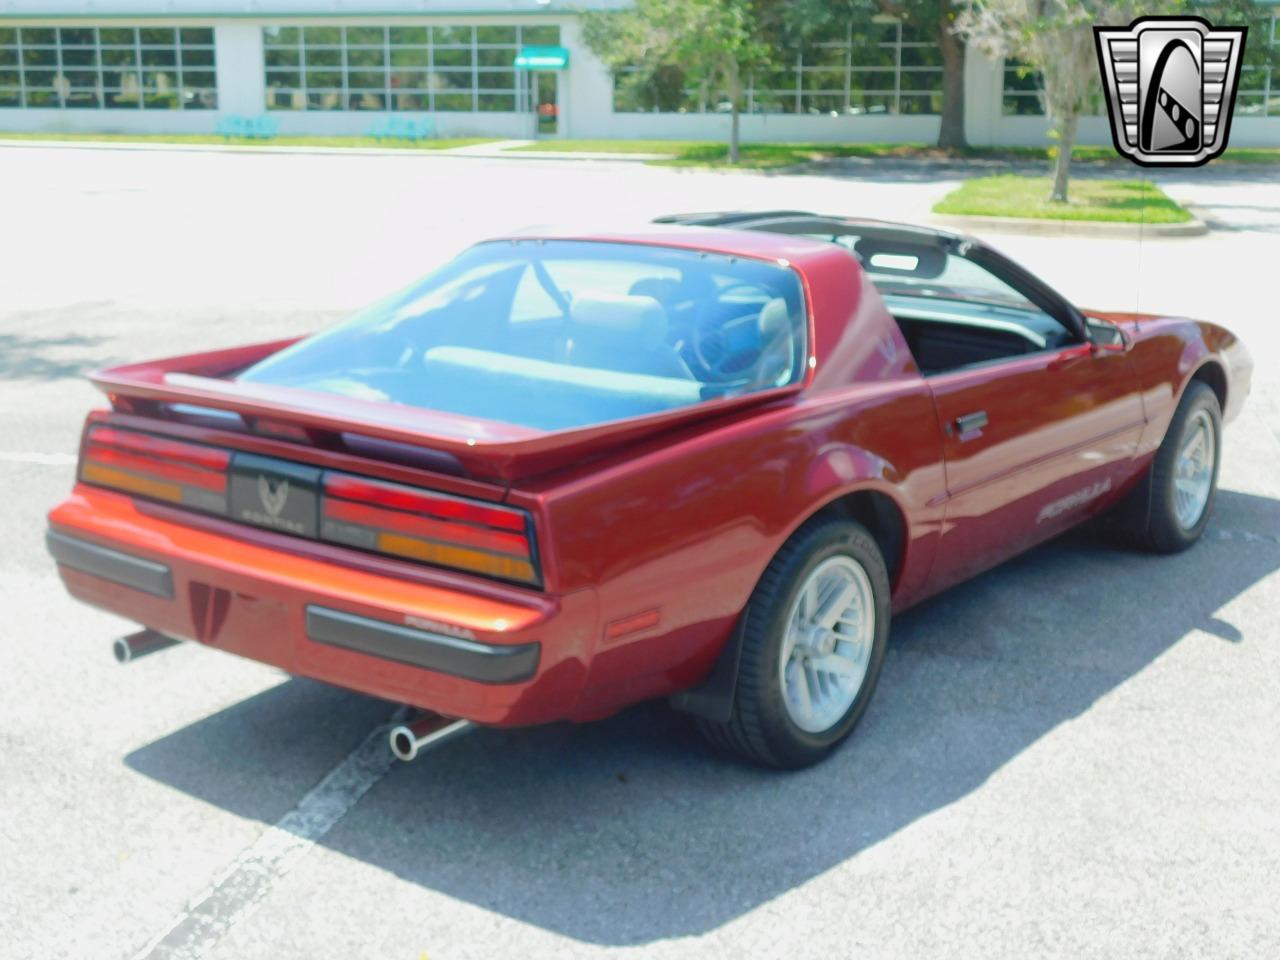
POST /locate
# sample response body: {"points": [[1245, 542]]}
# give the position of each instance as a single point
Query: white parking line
{"points": [[247, 881], [47, 459], [1248, 536]]}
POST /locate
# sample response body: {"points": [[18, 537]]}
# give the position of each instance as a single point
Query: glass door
{"points": [[546, 108]]}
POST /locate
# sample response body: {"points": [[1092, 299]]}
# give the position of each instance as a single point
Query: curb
{"points": [[1194, 227]]}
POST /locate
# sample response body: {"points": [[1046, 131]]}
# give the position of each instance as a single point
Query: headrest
{"points": [[775, 320], [662, 289], [639, 320]]}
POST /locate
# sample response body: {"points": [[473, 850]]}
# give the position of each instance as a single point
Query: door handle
{"points": [[969, 424]]}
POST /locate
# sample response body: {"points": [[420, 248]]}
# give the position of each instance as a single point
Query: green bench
{"points": [[412, 129], [249, 128]]}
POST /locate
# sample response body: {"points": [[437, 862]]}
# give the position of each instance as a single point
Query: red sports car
{"points": [[703, 460]]}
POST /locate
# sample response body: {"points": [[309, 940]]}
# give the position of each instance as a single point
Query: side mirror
{"points": [[1105, 338]]}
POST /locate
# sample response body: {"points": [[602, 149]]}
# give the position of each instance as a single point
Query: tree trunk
{"points": [[735, 96], [1062, 165], [951, 133]]}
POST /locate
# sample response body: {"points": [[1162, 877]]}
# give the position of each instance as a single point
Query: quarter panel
{"points": [[676, 535]]}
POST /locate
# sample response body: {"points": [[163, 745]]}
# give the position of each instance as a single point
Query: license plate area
{"points": [[275, 494]]}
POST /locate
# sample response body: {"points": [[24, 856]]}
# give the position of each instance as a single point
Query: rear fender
{"points": [[837, 473]]}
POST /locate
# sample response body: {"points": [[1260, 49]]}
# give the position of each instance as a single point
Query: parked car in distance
{"points": [[704, 460]]}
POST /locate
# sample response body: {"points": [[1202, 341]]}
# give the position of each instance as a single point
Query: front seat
{"points": [[622, 332], [777, 344]]}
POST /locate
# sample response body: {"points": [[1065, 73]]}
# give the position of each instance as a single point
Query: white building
{"points": [[507, 68]]}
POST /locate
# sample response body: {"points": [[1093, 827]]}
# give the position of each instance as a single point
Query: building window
{"points": [[1259, 93], [1022, 90], [112, 68], [410, 68], [890, 69], [1024, 86]]}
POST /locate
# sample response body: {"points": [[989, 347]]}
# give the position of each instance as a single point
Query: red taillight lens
{"points": [[388, 518], [421, 501], [448, 531], [185, 473]]}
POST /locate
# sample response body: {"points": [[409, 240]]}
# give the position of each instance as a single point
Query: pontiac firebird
{"points": [[703, 460]]}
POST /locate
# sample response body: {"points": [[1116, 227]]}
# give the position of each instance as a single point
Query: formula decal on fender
{"points": [[1077, 499]]}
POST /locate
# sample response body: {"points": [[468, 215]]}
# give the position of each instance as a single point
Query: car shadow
{"points": [[628, 830], [28, 357]]}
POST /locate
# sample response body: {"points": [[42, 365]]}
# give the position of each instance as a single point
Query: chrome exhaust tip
{"points": [[140, 644], [408, 740]]}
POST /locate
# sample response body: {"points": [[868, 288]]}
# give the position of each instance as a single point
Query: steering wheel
{"points": [[718, 353]]}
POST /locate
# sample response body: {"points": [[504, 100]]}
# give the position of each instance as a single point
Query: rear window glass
{"points": [[557, 334], [925, 270]]}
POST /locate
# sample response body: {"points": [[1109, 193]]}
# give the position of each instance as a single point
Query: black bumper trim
{"points": [[122, 568], [482, 662]]}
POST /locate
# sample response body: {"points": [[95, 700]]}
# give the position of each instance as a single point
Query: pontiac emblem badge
{"points": [[272, 499], [1170, 84]]}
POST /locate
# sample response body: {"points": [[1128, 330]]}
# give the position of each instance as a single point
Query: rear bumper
{"points": [[114, 565], [482, 662], [493, 654]]}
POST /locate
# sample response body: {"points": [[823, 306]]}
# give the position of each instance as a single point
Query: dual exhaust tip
{"points": [[140, 644], [407, 740]]}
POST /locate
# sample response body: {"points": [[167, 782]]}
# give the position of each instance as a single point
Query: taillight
{"points": [[185, 473], [373, 515], [449, 531]]}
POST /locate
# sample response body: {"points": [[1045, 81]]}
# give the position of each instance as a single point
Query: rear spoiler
{"points": [[485, 449]]}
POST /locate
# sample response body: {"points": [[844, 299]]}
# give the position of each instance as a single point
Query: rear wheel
{"points": [[1170, 510], [813, 643]]}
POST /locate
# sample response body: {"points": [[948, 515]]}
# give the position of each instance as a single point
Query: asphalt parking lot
{"points": [[1075, 755]]}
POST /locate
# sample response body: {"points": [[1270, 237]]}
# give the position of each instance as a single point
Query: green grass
{"points": [[1088, 154], [602, 146], [284, 141], [715, 153], [1115, 201], [766, 156]]}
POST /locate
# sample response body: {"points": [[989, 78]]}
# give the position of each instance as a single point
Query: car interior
{"points": [[564, 334], [953, 311]]}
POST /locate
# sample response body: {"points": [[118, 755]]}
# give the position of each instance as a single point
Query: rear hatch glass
{"points": [[559, 334]]}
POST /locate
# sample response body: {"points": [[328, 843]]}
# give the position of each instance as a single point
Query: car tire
{"points": [[826, 561], [1170, 508]]}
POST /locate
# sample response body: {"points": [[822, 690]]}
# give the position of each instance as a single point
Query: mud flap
{"points": [[713, 698]]}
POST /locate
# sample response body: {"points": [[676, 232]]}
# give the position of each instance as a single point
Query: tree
{"points": [[943, 16], [1056, 38], [715, 42], [806, 18]]}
